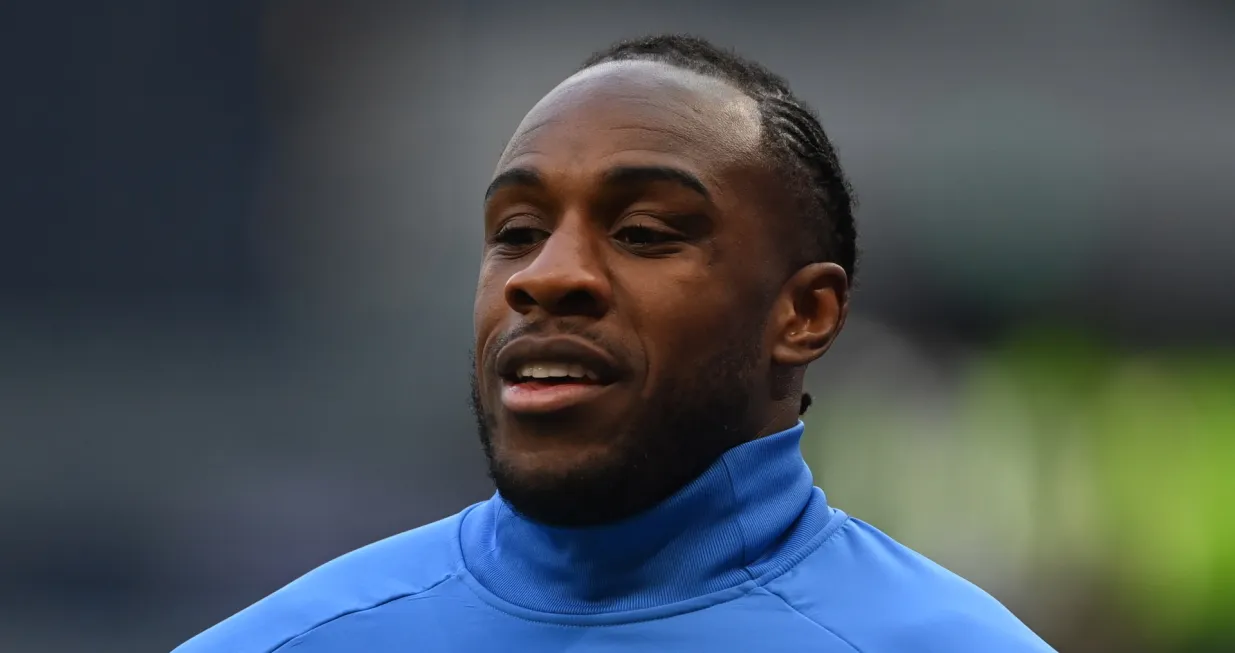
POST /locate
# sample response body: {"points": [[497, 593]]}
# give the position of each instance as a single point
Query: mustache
{"points": [[561, 328]]}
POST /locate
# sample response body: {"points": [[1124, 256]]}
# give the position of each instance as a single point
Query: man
{"points": [[669, 243]]}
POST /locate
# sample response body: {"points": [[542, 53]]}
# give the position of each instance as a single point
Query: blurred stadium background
{"points": [[240, 242]]}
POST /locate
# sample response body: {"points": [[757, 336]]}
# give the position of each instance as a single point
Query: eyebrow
{"points": [[514, 177], [636, 175], [619, 176]]}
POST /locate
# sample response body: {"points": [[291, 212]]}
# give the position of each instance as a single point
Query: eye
{"points": [[519, 237], [640, 236]]}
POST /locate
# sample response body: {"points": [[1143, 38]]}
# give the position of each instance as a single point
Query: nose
{"points": [[565, 279]]}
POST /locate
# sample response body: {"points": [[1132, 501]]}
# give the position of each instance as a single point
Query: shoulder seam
{"points": [[813, 621], [374, 606]]}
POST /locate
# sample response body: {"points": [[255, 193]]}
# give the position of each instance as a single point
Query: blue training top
{"points": [[748, 557]]}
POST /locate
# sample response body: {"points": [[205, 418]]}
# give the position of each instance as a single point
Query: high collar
{"points": [[742, 515]]}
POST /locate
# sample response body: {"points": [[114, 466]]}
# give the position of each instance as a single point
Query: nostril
{"points": [[558, 290], [579, 302], [520, 299]]}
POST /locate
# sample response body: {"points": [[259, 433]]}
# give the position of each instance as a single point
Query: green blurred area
{"points": [[1056, 472]]}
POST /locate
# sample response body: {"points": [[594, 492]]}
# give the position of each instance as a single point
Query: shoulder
{"points": [[878, 595], [402, 565]]}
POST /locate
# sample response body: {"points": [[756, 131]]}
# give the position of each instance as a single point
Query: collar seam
{"points": [[737, 521], [836, 523]]}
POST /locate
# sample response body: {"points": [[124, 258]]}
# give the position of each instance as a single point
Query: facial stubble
{"points": [[664, 445]]}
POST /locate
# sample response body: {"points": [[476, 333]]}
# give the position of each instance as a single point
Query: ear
{"points": [[809, 314]]}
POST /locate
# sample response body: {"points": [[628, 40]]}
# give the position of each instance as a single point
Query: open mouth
{"points": [[555, 373], [547, 375]]}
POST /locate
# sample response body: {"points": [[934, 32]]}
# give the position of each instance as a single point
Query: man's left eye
{"points": [[644, 236]]}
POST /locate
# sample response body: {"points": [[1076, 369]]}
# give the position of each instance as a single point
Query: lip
{"points": [[538, 398], [543, 398], [556, 349]]}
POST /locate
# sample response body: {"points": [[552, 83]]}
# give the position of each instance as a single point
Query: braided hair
{"points": [[793, 138]]}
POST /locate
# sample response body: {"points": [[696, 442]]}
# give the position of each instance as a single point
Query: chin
{"points": [[562, 483], [548, 455]]}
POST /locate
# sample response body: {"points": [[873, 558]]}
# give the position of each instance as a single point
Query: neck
{"points": [[718, 531]]}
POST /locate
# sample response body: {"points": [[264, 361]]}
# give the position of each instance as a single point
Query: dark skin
{"points": [[634, 217]]}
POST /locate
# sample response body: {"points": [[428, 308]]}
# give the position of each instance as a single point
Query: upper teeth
{"points": [[554, 370]]}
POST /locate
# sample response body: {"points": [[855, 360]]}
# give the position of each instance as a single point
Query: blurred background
{"points": [[240, 241]]}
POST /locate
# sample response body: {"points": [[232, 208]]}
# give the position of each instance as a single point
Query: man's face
{"points": [[628, 271]]}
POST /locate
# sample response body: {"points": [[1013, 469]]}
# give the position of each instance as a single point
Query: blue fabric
{"points": [[748, 557]]}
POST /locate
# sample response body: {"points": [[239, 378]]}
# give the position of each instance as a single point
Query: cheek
{"points": [[489, 308], [490, 293], [683, 325]]}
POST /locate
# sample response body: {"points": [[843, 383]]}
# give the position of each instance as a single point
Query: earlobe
{"points": [[813, 305]]}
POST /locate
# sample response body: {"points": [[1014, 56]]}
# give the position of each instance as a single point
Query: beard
{"points": [[667, 443]]}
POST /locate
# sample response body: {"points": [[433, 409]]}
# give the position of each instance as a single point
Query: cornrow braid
{"points": [[793, 136]]}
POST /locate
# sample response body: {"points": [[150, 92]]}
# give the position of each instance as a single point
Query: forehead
{"points": [[626, 112]]}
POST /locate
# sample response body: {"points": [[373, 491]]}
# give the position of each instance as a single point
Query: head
{"points": [[669, 242]]}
